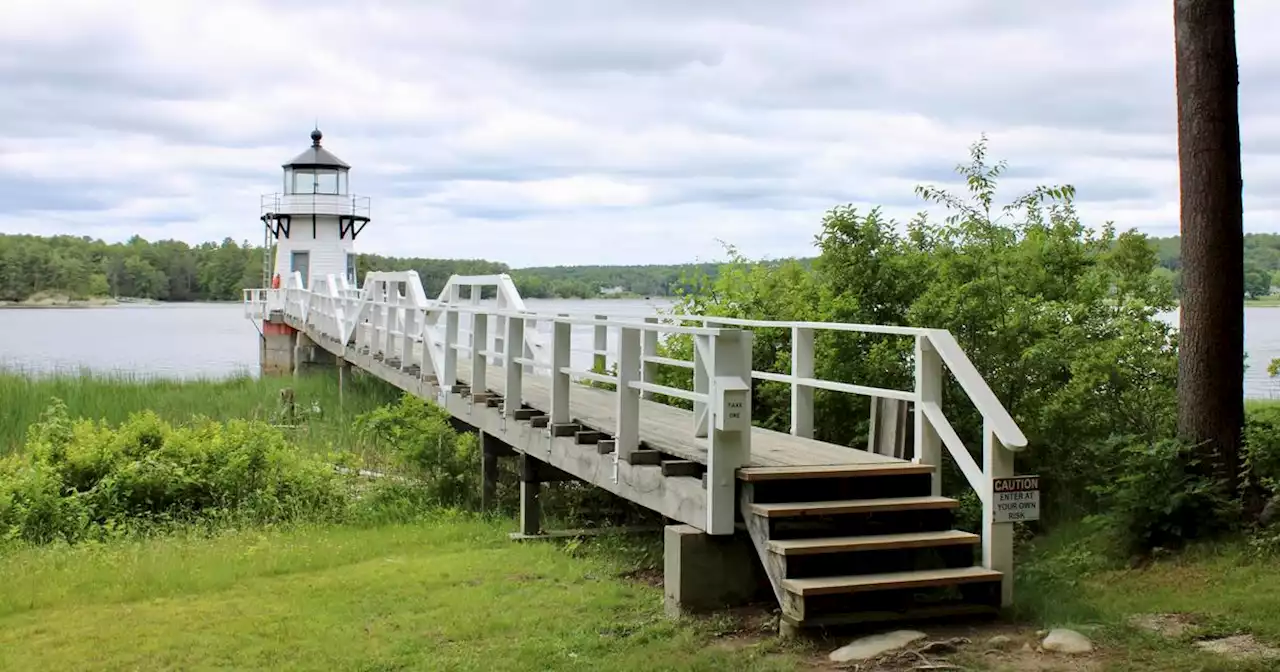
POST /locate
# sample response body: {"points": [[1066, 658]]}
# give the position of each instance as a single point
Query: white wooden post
{"points": [[648, 348], [389, 324], [928, 444], [729, 440], [515, 372], [600, 346], [997, 538], [479, 339], [561, 350], [628, 430], [406, 340], [801, 395], [425, 366], [701, 382], [449, 377], [500, 331], [524, 344]]}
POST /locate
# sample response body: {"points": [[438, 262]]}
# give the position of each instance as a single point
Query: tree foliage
{"points": [[1060, 319]]}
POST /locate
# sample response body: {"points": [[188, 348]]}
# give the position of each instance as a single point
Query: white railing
{"points": [[392, 319], [348, 205]]}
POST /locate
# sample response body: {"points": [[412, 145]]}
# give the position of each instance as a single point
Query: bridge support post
{"points": [[491, 449], [530, 491], [703, 572], [275, 354]]}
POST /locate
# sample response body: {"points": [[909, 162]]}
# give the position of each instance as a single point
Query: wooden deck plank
{"points": [[833, 585], [670, 429]]}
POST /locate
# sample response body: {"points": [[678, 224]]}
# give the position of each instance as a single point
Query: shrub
{"points": [[81, 478], [1159, 494], [421, 438]]}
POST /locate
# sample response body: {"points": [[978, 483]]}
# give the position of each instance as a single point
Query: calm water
{"points": [[195, 340]]}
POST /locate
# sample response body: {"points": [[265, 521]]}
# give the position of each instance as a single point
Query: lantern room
{"points": [[314, 220]]}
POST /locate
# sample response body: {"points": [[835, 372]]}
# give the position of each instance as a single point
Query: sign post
{"points": [[1017, 499]]}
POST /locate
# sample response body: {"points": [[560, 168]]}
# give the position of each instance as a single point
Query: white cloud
{"points": [[614, 131]]}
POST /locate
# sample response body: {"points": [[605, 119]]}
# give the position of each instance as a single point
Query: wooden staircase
{"points": [[860, 543]]}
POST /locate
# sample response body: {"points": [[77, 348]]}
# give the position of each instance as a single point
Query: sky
{"points": [[598, 131]]}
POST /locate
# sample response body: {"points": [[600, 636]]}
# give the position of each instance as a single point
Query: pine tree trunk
{"points": [[1211, 345]]}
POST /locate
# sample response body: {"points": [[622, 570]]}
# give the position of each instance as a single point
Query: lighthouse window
{"points": [[326, 182], [304, 182], [342, 182]]}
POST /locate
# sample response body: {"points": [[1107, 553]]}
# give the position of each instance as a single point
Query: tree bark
{"points": [[1211, 344]]}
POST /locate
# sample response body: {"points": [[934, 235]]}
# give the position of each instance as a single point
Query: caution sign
{"points": [[1017, 499]]}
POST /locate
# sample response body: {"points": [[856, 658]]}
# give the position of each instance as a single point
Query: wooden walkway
{"points": [[670, 430]]}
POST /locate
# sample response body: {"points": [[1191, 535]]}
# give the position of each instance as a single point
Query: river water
{"points": [[215, 340]]}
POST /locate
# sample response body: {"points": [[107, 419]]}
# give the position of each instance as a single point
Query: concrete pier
{"points": [[704, 572]]}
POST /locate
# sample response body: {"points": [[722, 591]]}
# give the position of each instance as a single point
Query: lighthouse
{"points": [[313, 222], [309, 236]]}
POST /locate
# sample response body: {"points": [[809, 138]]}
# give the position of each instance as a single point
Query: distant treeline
{"points": [[169, 270], [1261, 261]]}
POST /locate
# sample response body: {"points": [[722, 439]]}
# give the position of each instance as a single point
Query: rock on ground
{"points": [[866, 648], [1062, 640]]}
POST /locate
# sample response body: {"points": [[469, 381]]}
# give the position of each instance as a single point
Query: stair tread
{"points": [[871, 542], [832, 471], [828, 585], [784, 509]]}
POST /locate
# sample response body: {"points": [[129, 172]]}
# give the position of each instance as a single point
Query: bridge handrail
{"points": [[953, 356]]}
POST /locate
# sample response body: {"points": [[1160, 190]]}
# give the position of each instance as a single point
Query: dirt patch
{"points": [[1172, 626], [647, 576], [1240, 647]]}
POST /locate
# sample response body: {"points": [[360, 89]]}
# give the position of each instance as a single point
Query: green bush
{"points": [[82, 479], [1159, 494], [422, 440], [1262, 446]]}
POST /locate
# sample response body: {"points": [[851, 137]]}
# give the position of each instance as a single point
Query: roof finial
{"points": [[316, 135]]}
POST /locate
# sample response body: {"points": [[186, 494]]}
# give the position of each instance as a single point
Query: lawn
{"points": [[451, 593], [1212, 591]]}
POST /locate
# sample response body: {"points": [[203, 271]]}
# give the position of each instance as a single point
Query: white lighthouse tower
{"points": [[313, 223]]}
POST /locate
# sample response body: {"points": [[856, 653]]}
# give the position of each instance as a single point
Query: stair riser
{"points": [[826, 489], [985, 593], [855, 524], [878, 562]]}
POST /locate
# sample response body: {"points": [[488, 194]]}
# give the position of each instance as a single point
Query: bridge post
{"points": [[801, 395], [701, 382], [530, 486], [729, 435], [561, 350], [449, 377], [515, 371], [627, 436], [649, 348], [927, 443], [997, 538], [600, 346], [479, 343]]}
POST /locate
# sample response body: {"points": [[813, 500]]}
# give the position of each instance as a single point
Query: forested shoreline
{"points": [[82, 268]]}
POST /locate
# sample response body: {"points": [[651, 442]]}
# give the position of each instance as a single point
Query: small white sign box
{"points": [[1017, 499]]}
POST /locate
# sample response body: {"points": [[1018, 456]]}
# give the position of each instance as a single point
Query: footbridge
{"points": [[837, 533]]}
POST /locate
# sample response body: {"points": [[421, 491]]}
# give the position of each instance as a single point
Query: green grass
{"points": [[451, 593], [1266, 301], [1225, 589], [115, 398]]}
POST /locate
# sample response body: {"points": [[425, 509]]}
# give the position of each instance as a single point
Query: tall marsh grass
{"points": [[319, 424]]}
